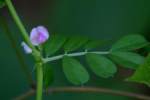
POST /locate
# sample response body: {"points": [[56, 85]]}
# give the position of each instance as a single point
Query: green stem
{"points": [[19, 55], [18, 21], [20, 25], [39, 81], [45, 60], [36, 54]]}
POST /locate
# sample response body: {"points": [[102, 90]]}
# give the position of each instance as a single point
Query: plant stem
{"points": [[18, 21], [86, 90], [20, 25], [19, 55], [39, 81], [45, 60], [35, 52]]}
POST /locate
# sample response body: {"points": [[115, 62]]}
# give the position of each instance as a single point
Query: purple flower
{"points": [[39, 35], [26, 48]]}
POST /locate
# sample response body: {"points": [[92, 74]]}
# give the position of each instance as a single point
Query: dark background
{"points": [[102, 19]]}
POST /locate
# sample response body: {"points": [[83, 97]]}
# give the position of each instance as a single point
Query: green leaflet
{"points": [[92, 44], [142, 74], [75, 43], [130, 42], [127, 59], [74, 71], [48, 76], [54, 44], [101, 66]]}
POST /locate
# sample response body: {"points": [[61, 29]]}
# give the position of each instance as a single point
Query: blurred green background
{"points": [[102, 19]]}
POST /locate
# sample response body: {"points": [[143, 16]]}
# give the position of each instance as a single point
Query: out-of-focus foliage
{"points": [[75, 43], [130, 42], [2, 3], [142, 74], [54, 44], [127, 59], [48, 75]]}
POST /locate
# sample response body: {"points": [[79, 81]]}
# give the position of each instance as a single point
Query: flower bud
{"points": [[26, 48], [39, 35]]}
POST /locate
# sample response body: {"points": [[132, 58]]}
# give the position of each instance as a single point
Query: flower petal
{"points": [[39, 35], [26, 48], [34, 36], [42, 29]]}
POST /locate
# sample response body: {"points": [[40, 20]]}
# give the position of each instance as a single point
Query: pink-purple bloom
{"points": [[38, 35]]}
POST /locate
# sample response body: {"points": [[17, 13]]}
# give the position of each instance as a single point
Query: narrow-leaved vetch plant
{"points": [[45, 48]]}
